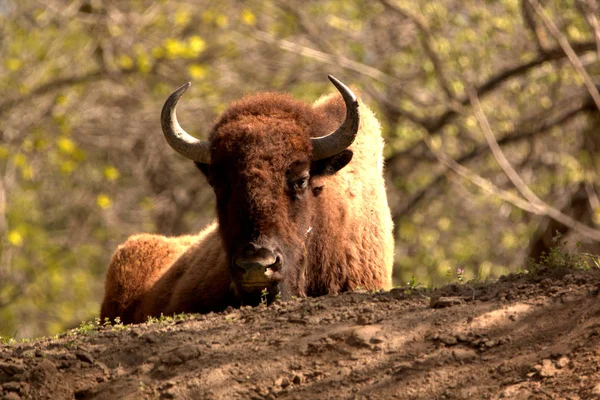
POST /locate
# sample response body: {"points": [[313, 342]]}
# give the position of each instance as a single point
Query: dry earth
{"points": [[523, 337]]}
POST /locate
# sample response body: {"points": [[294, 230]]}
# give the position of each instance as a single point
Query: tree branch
{"points": [[592, 195], [498, 79], [476, 179], [57, 84], [499, 155], [393, 108], [308, 26], [535, 204], [317, 55], [426, 42], [589, 9], [538, 33], [434, 126], [566, 47], [507, 138]]}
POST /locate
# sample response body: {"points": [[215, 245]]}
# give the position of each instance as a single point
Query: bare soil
{"points": [[522, 337]]}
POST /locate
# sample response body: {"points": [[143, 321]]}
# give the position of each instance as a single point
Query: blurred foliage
{"points": [[83, 163]]}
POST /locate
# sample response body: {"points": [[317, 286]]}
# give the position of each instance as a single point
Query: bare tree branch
{"points": [[434, 126], [426, 42], [57, 84], [500, 78], [317, 55], [499, 155], [530, 22], [592, 195], [564, 44], [536, 205], [393, 108], [476, 179], [507, 138], [309, 27], [590, 10]]}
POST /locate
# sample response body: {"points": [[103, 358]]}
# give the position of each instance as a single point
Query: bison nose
{"points": [[258, 262]]}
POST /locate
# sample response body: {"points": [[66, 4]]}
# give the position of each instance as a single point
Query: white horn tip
{"points": [[183, 88]]}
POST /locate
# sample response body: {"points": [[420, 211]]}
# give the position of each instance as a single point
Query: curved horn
{"points": [[342, 137], [179, 139]]}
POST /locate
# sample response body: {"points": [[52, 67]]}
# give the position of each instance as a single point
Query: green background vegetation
{"points": [[83, 163]]}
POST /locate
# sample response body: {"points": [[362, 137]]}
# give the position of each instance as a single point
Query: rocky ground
{"points": [[523, 337]]}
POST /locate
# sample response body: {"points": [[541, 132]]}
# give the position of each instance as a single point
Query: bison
{"points": [[301, 211]]}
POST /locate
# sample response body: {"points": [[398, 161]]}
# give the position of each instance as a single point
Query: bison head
{"points": [[263, 159]]}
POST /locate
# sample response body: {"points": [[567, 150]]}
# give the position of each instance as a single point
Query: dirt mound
{"points": [[523, 337]]}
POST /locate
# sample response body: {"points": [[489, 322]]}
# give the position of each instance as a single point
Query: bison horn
{"points": [[342, 137], [176, 136]]}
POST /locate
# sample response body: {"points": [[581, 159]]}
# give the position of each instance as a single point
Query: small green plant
{"points": [[166, 319], [118, 325], [181, 316], [158, 320], [460, 274], [593, 258], [7, 340], [86, 328], [413, 284], [559, 257], [263, 296]]}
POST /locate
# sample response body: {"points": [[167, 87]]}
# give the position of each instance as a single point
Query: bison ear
{"points": [[331, 165], [203, 167]]}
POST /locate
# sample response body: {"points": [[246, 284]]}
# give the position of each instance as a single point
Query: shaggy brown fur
{"points": [[335, 235]]}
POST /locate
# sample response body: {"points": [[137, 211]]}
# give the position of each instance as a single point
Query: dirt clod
{"points": [[11, 386], [84, 356], [462, 337], [10, 369], [464, 355], [448, 301], [282, 382], [562, 362], [447, 339], [546, 369], [11, 396]]}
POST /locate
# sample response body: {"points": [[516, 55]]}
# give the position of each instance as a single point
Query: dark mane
{"points": [[282, 106]]}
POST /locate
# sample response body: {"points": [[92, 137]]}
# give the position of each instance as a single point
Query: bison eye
{"points": [[301, 184]]}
